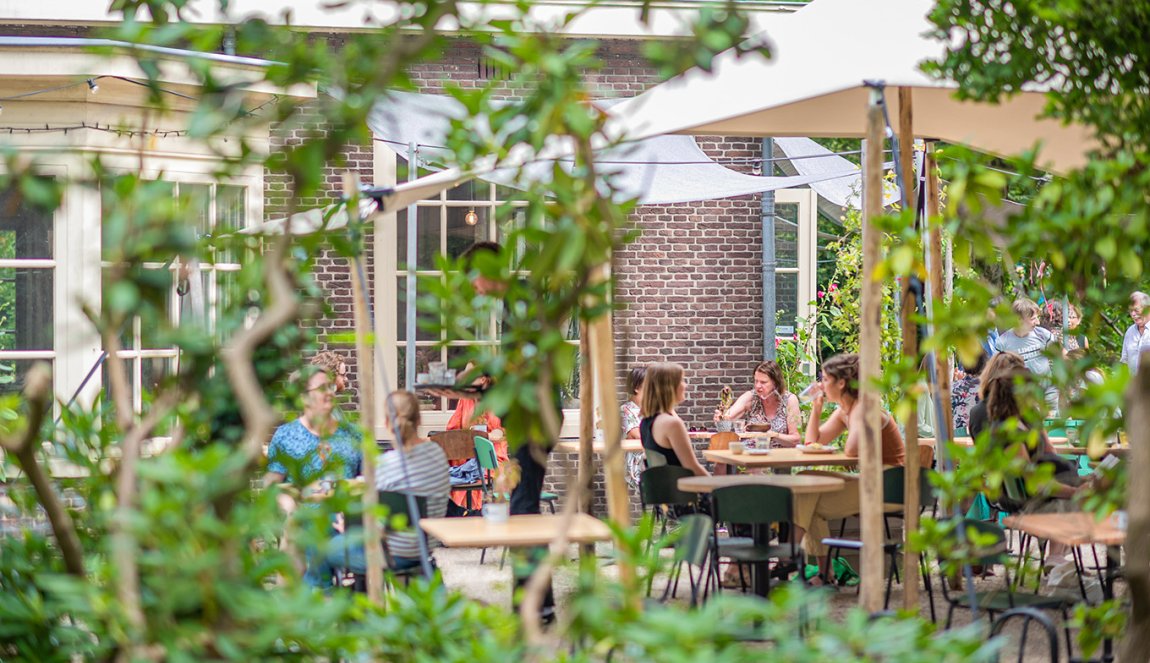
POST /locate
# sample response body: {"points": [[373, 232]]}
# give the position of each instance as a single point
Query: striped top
{"points": [[428, 476]]}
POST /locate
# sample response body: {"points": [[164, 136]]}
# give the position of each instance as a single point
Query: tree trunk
{"points": [[870, 347], [1136, 643]]}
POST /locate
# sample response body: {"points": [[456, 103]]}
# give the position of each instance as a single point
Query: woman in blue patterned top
{"points": [[314, 446]]}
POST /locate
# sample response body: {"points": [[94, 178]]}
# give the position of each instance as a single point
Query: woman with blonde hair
{"points": [[423, 472], [662, 432]]}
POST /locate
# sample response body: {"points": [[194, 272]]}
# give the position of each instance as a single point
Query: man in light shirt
{"points": [[1137, 337]]}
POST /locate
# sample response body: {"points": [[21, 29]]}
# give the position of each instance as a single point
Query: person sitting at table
{"points": [[768, 406], [663, 433], [423, 472], [1003, 410], [839, 384], [313, 448], [629, 420], [485, 424]]}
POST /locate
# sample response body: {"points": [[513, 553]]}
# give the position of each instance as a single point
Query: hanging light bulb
{"points": [[471, 218], [92, 86]]}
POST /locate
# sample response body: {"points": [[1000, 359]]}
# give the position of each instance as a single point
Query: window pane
{"points": [[787, 234], [195, 205], [113, 227], [427, 238], [422, 357], [153, 371], [194, 301], [26, 309], [229, 215], [153, 322], [25, 231], [13, 372], [421, 334], [787, 301], [461, 234], [129, 371]]}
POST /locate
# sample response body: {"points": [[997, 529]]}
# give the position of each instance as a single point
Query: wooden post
{"points": [[909, 349], [586, 477], [366, 376], [1136, 642], [942, 358], [870, 347], [615, 469]]}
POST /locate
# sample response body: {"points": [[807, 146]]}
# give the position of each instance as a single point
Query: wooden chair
{"points": [[459, 447], [722, 442]]}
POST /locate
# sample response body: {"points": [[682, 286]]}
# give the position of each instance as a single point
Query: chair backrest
{"points": [[722, 441], [894, 486], [485, 454], [396, 504], [660, 485], [1026, 616], [456, 444], [694, 542], [654, 458], [926, 456], [993, 551], [752, 505]]}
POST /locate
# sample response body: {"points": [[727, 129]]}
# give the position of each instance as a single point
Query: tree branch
{"points": [[540, 579], [38, 392]]}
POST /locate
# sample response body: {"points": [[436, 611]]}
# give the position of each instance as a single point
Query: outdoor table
{"points": [[798, 484], [746, 435], [517, 532], [572, 446], [969, 441], [781, 458], [1074, 530], [1070, 450]]}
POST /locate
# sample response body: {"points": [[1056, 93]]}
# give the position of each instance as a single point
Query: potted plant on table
{"points": [[497, 508], [726, 400]]}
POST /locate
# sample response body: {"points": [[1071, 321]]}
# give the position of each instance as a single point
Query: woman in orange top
{"points": [[490, 427]]}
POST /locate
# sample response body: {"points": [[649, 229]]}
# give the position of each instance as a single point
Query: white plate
{"points": [[757, 452], [815, 450]]}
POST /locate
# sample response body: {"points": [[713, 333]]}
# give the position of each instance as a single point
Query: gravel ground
{"points": [[490, 584]]}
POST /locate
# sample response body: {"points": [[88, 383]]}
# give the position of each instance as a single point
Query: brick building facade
{"points": [[689, 287]]}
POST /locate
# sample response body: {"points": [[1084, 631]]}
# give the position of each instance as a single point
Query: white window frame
{"points": [[386, 275], [807, 269]]}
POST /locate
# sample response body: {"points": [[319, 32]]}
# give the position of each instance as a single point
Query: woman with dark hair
{"points": [[663, 433], [768, 406], [630, 416], [839, 384]]}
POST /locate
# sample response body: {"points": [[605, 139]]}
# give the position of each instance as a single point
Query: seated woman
{"points": [[426, 475], [629, 419], [811, 512], [485, 424], [1002, 412], [663, 433], [769, 406], [310, 449]]}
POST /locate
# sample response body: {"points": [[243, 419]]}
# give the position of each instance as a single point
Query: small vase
{"points": [[724, 426], [496, 512]]}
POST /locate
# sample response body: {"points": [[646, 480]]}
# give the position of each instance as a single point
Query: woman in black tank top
{"points": [[661, 430]]}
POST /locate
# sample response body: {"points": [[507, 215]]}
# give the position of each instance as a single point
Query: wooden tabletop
{"points": [[1069, 450], [798, 484], [572, 446], [968, 441], [1072, 529], [780, 458], [534, 530]]}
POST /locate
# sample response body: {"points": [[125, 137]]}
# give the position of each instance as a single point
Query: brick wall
{"points": [[689, 287]]}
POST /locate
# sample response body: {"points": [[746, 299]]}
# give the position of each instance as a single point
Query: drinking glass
{"points": [[740, 426], [810, 393]]}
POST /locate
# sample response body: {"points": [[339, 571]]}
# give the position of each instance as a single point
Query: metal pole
{"points": [[770, 262], [412, 218]]}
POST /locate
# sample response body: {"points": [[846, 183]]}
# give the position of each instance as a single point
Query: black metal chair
{"points": [[760, 507], [996, 601], [659, 491], [1028, 615]]}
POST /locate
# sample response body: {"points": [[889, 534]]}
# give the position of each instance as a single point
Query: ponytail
{"points": [[406, 414]]}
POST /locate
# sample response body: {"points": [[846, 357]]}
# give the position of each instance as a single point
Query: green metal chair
{"points": [[999, 600], [398, 519], [693, 550], [759, 507]]}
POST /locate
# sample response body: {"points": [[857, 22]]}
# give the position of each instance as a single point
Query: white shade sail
{"points": [[814, 85]]}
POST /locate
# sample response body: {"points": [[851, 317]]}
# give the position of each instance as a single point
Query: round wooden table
{"points": [[799, 484]]}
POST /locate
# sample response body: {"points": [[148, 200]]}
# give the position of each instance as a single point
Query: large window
{"points": [[198, 291], [795, 247], [447, 224], [27, 271]]}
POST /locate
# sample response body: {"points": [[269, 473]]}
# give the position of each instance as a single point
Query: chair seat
{"points": [[749, 552], [468, 486], [736, 541], [1001, 600]]}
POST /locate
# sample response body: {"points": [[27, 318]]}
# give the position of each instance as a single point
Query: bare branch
{"points": [[38, 392]]}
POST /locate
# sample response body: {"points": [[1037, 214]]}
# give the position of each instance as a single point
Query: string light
{"points": [[130, 133], [92, 86]]}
